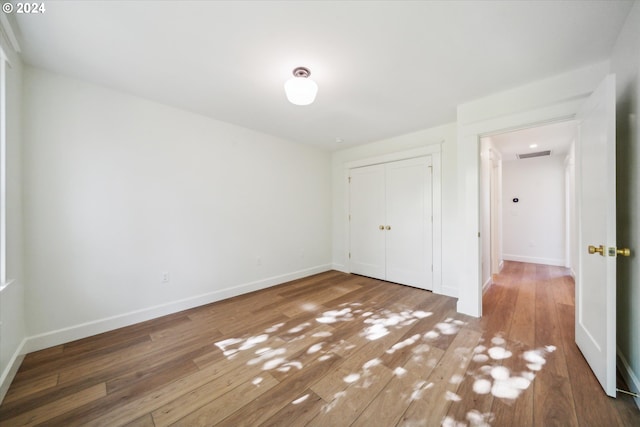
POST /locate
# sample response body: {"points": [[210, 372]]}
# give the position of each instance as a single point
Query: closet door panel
{"points": [[367, 207], [408, 219]]}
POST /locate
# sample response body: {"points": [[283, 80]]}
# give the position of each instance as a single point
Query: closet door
{"points": [[367, 207], [408, 228]]}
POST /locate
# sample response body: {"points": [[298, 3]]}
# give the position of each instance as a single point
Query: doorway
{"points": [[527, 187]]}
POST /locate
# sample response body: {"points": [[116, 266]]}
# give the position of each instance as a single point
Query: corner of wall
{"points": [[13, 332], [12, 307], [630, 377], [11, 369]]}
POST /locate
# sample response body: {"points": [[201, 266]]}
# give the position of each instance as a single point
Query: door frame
{"points": [[543, 101], [495, 212], [433, 150], [470, 279]]}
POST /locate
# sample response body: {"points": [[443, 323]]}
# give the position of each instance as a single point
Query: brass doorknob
{"points": [[388, 227], [381, 227], [599, 250], [623, 252]]}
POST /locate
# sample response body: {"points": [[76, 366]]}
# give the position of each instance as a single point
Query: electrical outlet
{"points": [[164, 277]]}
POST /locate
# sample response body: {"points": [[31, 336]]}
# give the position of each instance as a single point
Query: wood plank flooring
{"points": [[331, 350]]}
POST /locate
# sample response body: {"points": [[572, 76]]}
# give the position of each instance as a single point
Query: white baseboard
{"points": [[75, 332], [535, 260], [12, 369], [486, 285], [449, 291], [340, 267], [629, 376]]}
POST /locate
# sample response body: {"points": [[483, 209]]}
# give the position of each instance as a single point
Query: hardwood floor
{"points": [[331, 350]]}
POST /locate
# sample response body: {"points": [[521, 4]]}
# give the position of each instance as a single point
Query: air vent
{"points": [[532, 155]]}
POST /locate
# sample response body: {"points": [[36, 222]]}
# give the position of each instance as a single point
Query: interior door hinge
{"points": [[349, 180], [349, 217], [349, 255]]}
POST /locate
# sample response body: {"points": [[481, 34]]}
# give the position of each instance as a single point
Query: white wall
{"points": [[625, 63], [12, 316], [119, 189], [534, 228], [444, 135]]}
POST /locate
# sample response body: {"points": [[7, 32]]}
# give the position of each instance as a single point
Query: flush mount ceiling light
{"points": [[300, 89]]}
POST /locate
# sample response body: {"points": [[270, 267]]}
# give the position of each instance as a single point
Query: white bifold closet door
{"points": [[391, 222]]}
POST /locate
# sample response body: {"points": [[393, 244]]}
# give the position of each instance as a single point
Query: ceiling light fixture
{"points": [[533, 146], [300, 89]]}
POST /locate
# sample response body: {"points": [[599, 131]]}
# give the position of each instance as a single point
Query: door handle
{"points": [[599, 250], [388, 227], [623, 252], [381, 227], [612, 251]]}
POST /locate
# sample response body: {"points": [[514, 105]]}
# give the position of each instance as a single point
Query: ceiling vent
{"points": [[532, 155]]}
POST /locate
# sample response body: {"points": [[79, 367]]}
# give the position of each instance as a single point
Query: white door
{"points": [[408, 225], [391, 222], [596, 277], [367, 221]]}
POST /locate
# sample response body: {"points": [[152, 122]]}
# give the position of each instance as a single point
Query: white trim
{"points": [[435, 152], [629, 376], [3, 167], [487, 284], [535, 260], [4, 285], [347, 223], [7, 32], [11, 369], [436, 197], [75, 332], [449, 291], [393, 157], [339, 267]]}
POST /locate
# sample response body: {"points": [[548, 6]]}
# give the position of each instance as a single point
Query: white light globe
{"points": [[301, 90]]}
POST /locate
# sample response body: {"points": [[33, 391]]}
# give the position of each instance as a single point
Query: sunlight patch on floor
{"points": [[301, 399], [489, 376]]}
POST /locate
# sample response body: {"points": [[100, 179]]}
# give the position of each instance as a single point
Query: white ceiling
{"points": [[555, 137], [383, 68]]}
